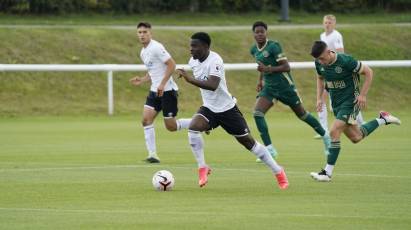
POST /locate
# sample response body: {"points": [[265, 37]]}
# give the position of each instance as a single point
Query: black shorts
{"points": [[167, 103], [231, 120]]}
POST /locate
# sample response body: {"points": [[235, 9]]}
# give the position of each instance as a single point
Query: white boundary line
{"points": [[181, 167], [200, 213]]}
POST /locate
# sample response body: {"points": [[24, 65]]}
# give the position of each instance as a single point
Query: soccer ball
{"points": [[163, 180]]}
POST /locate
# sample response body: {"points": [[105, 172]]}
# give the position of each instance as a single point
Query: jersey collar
{"points": [[266, 42]]}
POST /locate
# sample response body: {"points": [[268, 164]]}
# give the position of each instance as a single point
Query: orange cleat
{"points": [[202, 176], [282, 180]]}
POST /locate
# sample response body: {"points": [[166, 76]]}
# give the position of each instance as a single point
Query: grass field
{"points": [[86, 172]]}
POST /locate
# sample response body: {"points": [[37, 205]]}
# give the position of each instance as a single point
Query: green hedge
{"points": [[226, 6]]}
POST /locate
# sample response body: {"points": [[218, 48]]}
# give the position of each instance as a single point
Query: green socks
{"points": [[334, 152], [311, 121], [262, 127]]}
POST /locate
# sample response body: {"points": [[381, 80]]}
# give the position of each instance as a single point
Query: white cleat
{"points": [[321, 176], [389, 119]]}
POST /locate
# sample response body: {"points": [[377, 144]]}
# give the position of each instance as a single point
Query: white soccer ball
{"points": [[163, 180]]}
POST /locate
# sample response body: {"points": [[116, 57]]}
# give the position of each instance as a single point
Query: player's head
{"points": [[144, 32], [260, 31], [200, 45], [329, 22], [322, 53]]}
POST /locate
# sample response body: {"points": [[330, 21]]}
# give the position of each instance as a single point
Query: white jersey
{"points": [[334, 40], [154, 57], [219, 100]]}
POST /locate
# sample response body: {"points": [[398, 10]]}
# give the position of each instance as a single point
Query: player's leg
{"points": [[169, 102], [360, 119], [323, 115], [150, 111], [262, 105], [337, 128], [356, 133], [200, 123], [305, 116], [234, 123]]}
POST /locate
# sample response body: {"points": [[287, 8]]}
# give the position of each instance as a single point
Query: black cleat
{"points": [[152, 160]]}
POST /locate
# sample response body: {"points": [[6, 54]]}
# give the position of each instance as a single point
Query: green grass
{"points": [[85, 93], [86, 172], [199, 18]]}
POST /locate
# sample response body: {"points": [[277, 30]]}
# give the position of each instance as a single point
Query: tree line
{"points": [[206, 6]]}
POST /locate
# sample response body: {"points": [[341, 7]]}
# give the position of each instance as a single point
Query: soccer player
{"points": [[163, 91], [340, 73], [275, 83], [334, 41], [219, 109]]}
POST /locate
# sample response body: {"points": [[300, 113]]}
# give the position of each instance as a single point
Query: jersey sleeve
{"points": [[277, 51], [353, 65], [317, 68], [216, 68], [162, 53]]}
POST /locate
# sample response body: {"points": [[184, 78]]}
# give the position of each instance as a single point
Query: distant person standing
{"points": [[163, 91], [334, 41]]}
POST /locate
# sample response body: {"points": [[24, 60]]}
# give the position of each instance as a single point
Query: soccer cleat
{"points": [[389, 119], [203, 176], [282, 180], [273, 152], [318, 136], [327, 143], [321, 176], [152, 160]]}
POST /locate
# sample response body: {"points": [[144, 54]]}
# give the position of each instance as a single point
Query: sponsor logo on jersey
{"points": [[265, 53], [338, 69]]}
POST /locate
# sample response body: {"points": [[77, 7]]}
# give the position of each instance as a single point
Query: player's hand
{"points": [[319, 105], [160, 90], [259, 86], [361, 101], [263, 68], [136, 81], [182, 73]]}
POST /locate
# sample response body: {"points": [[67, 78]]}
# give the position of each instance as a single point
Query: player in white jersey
{"points": [[219, 109], [334, 41], [163, 92]]}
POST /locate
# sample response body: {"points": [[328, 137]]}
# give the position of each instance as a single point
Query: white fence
{"points": [[110, 68]]}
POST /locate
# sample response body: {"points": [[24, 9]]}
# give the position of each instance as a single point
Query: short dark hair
{"points": [[144, 24], [259, 23], [203, 37], [318, 48]]}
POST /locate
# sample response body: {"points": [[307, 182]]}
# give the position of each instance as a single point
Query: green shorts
{"points": [[288, 96], [347, 112]]}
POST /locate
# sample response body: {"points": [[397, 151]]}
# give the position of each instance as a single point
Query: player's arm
{"points": [[320, 91], [140, 80], [211, 83], [282, 66], [171, 66], [361, 100], [260, 83]]}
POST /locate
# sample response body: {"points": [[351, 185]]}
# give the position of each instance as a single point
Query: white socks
{"points": [[380, 121], [261, 152], [329, 169], [323, 117], [196, 142], [360, 119], [150, 137], [183, 123]]}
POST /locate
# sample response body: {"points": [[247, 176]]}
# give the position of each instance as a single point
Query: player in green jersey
{"points": [[276, 84], [340, 73]]}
